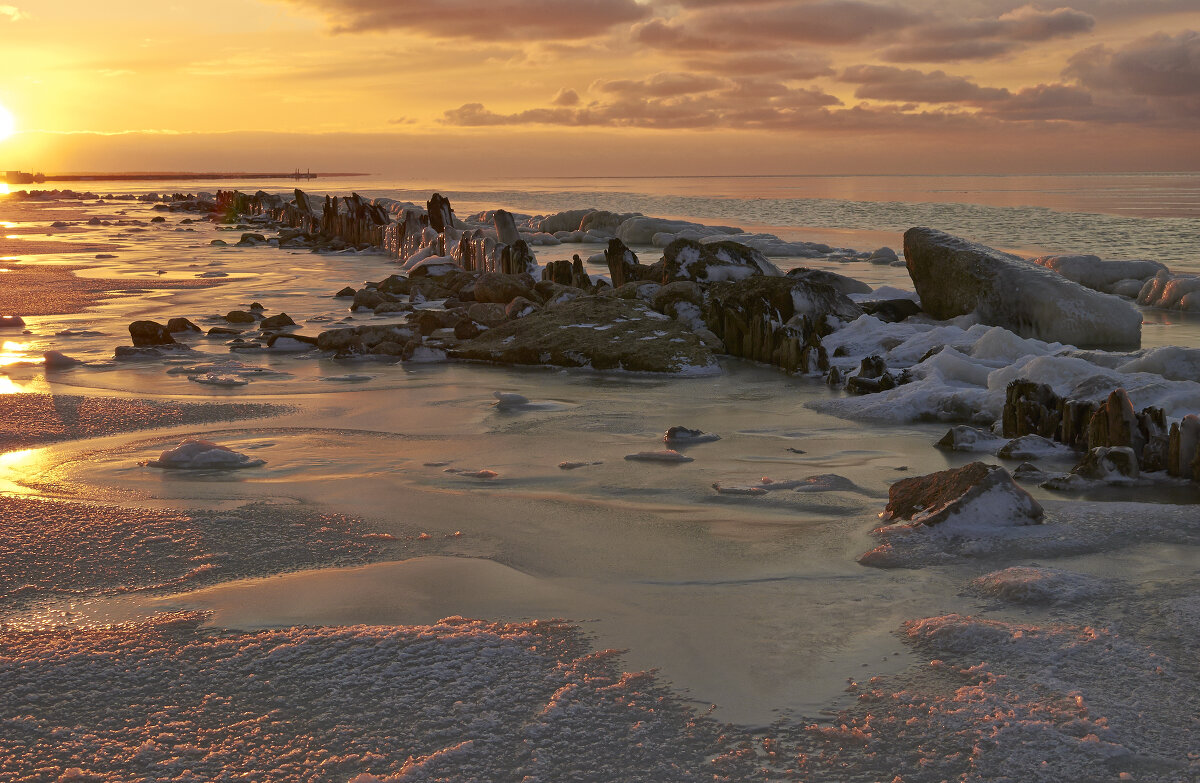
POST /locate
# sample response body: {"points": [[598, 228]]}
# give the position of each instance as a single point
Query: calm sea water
{"points": [[1153, 216]]}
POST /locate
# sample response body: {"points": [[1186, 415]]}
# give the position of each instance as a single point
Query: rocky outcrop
{"points": [[776, 320], [975, 495], [1171, 292], [604, 333], [955, 277]]}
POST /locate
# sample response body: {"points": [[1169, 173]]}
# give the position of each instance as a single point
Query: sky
{"points": [[506, 88]]}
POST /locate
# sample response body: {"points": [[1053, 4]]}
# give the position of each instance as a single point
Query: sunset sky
{"points": [[578, 87]]}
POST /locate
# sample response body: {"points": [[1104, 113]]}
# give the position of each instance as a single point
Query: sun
{"points": [[8, 123]]}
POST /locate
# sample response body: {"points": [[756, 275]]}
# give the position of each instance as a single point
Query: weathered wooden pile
{"points": [[1032, 408]]}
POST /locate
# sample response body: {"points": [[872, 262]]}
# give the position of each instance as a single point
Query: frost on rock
{"points": [[458, 700], [955, 277], [202, 455]]}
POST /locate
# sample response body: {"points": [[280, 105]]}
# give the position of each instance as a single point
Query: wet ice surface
{"points": [[748, 598]]}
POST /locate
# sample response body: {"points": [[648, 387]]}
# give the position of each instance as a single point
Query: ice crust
{"points": [[457, 700], [961, 372]]}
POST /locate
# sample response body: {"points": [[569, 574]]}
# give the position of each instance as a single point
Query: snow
{"points": [[1041, 585], [1069, 528], [203, 455], [966, 379], [168, 700]]}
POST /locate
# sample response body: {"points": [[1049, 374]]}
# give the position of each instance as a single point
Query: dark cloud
{"points": [[1160, 65], [480, 19], [986, 38], [782, 65], [887, 83], [566, 97], [660, 85], [734, 104], [825, 21]]}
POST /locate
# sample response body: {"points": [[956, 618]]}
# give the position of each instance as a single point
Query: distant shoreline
{"points": [[186, 175]]}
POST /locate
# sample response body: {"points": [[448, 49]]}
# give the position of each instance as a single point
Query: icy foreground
{"points": [[460, 700]]}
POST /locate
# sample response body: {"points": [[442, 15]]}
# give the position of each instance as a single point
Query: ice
{"points": [[508, 400], [1070, 528], [666, 455], [347, 378], [1042, 585], [203, 455], [213, 379], [1100, 275], [1172, 292]]}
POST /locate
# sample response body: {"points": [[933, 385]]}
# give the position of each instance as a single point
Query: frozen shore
{"points": [[403, 493]]}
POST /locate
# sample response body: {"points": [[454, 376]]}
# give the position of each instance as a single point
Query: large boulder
{"points": [[956, 277], [975, 495], [605, 333]]}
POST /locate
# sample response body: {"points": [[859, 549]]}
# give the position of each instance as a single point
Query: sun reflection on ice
{"points": [[16, 466]]}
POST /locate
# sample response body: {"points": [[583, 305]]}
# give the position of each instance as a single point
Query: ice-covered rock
{"points": [[975, 495], [1100, 275], [215, 379], [965, 438], [687, 259], [955, 277], [641, 230], [202, 454], [1032, 447], [1171, 292], [685, 436], [509, 400]]}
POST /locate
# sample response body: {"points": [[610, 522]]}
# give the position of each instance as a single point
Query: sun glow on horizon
{"points": [[8, 123]]}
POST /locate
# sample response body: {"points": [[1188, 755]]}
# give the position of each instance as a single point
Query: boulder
{"points": [[955, 277], [12, 322], [591, 331], [276, 321], [891, 311], [1171, 292], [1091, 272], [1108, 463], [687, 259], [975, 495], [182, 325], [239, 317], [964, 438], [494, 287], [149, 333], [519, 308], [641, 230], [487, 313], [345, 292], [506, 227], [840, 283]]}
